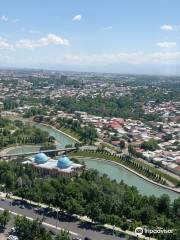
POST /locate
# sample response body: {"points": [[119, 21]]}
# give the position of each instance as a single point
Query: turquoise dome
{"points": [[63, 162], [40, 158]]}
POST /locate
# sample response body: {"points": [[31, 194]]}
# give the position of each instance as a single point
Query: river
{"points": [[113, 171], [119, 173]]}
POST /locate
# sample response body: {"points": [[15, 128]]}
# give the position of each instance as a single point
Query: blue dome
{"points": [[64, 162], [41, 158]]}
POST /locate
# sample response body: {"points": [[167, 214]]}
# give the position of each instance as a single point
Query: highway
{"points": [[67, 222]]}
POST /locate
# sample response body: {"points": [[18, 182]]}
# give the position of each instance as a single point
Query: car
{"points": [[16, 202], [77, 238], [12, 237], [22, 207], [87, 238], [36, 209], [13, 230], [2, 199]]}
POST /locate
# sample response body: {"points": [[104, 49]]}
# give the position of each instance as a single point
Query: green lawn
{"points": [[70, 132]]}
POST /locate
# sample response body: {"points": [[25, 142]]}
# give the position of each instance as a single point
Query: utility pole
{"points": [[57, 217]]}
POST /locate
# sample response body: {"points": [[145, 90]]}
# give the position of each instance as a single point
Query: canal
{"points": [[113, 171]]}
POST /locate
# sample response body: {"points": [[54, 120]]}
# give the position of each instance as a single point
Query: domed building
{"points": [[53, 167], [40, 158], [64, 162]]}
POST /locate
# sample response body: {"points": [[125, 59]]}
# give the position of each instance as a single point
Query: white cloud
{"points": [[50, 39], [5, 45], [4, 18], [26, 43], [107, 28], [77, 18], [167, 44], [169, 27], [53, 39], [123, 57]]}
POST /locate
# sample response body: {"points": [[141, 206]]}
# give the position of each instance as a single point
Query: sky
{"points": [[122, 36]]}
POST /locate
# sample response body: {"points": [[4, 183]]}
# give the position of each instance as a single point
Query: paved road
{"points": [[66, 222]]}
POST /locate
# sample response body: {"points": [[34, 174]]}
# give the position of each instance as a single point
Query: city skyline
{"points": [[104, 36]]}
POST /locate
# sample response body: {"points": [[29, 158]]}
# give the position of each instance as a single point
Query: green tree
{"points": [[4, 218], [63, 235]]}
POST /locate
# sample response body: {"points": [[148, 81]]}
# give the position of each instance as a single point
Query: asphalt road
{"points": [[67, 222]]}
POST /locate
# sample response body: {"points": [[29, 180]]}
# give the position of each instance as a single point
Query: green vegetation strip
{"points": [[70, 132], [140, 167], [162, 174]]}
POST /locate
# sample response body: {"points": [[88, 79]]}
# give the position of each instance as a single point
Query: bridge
{"points": [[9, 156]]}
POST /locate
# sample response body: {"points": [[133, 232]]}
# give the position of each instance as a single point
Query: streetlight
{"points": [[113, 229], [57, 217]]}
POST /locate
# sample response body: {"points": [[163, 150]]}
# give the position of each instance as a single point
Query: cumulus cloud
{"points": [[53, 39], [4, 18], [77, 18], [50, 39], [169, 27], [5, 45], [26, 43], [167, 44]]}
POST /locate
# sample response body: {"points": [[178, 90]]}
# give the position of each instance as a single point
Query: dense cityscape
{"points": [[89, 120], [130, 120]]}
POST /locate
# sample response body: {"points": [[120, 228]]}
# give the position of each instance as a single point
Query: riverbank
{"points": [[142, 168], [176, 190], [30, 121], [60, 131]]}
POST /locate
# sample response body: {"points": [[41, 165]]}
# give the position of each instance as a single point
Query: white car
{"points": [[12, 237], [13, 229]]}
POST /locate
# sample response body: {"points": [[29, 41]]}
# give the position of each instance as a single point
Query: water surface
{"points": [[119, 173]]}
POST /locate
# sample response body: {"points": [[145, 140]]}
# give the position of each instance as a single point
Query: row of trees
{"points": [[33, 230], [124, 106], [33, 111], [87, 134], [30, 230], [127, 161], [91, 194]]}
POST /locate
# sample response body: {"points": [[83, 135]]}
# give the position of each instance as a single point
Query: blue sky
{"points": [[131, 36]]}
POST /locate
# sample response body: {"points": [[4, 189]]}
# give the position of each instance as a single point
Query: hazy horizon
{"points": [[101, 36]]}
